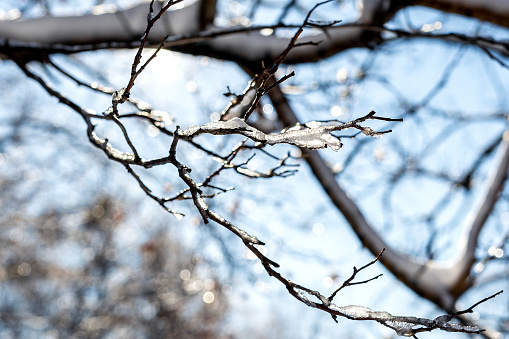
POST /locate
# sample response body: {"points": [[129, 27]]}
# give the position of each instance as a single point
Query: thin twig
{"points": [[348, 282]]}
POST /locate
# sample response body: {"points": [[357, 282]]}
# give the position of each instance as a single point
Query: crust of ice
{"points": [[301, 136]]}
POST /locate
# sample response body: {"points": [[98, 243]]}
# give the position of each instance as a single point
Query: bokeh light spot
{"points": [[24, 269], [208, 297], [185, 275], [327, 282]]}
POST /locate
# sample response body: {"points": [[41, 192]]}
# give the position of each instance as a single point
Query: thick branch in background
{"points": [[103, 26], [479, 214], [123, 28], [494, 11]]}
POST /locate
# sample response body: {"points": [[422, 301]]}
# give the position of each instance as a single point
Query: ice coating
{"points": [[303, 297], [301, 136], [403, 326], [355, 312]]}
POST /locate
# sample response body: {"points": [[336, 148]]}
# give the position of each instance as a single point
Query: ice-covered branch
{"points": [[402, 325], [311, 135]]}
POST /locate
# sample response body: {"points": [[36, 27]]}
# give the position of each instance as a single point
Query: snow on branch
{"points": [[311, 135], [403, 325]]}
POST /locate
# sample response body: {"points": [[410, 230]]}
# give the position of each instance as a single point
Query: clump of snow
{"points": [[401, 327]]}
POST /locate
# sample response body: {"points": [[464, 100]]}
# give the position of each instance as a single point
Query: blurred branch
{"points": [[489, 10], [481, 211], [233, 43]]}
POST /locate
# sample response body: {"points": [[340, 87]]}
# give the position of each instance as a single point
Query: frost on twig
{"points": [[311, 135], [402, 325], [407, 326]]}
